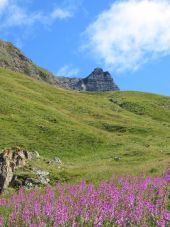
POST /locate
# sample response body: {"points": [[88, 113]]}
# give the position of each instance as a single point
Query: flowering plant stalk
{"points": [[122, 201]]}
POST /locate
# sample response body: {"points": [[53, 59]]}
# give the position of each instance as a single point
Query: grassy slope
{"points": [[86, 130]]}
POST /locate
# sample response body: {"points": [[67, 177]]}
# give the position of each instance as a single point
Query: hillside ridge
{"points": [[12, 58]]}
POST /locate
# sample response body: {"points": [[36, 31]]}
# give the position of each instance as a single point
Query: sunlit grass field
{"points": [[96, 135]]}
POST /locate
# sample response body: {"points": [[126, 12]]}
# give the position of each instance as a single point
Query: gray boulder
{"points": [[34, 155], [55, 161], [42, 176]]}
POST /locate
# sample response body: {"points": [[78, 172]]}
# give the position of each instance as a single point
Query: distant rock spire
{"points": [[100, 81]]}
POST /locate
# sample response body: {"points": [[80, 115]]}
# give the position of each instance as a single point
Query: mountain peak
{"points": [[98, 70], [99, 81], [12, 58]]}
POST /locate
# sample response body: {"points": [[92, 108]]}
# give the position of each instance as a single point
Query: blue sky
{"points": [[129, 38]]}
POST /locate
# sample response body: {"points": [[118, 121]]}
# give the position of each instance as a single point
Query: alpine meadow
{"points": [[84, 113]]}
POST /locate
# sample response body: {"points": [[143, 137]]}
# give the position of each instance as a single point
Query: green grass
{"points": [[86, 130]]}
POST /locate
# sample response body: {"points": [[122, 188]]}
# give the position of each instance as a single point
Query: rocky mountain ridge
{"points": [[12, 58], [97, 81]]}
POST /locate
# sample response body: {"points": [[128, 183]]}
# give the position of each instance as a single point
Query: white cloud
{"points": [[3, 3], [13, 14], [130, 33], [18, 22], [61, 13], [68, 71], [17, 17]]}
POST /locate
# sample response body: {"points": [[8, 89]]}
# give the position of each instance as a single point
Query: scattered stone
{"points": [[40, 179], [34, 155], [41, 172], [42, 176], [55, 161], [117, 158], [30, 183]]}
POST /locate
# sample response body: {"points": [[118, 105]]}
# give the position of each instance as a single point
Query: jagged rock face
{"points": [[10, 160], [97, 81], [71, 83]]}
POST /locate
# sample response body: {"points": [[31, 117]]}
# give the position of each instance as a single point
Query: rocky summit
{"points": [[97, 81], [12, 58]]}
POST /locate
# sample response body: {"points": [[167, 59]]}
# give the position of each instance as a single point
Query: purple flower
{"points": [[1, 221], [122, 201], [168, 176]]}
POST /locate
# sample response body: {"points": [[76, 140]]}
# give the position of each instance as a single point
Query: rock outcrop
{"points": [[71, 83], [41, 179], [18, 169], [97, 81], [10, 160]]}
